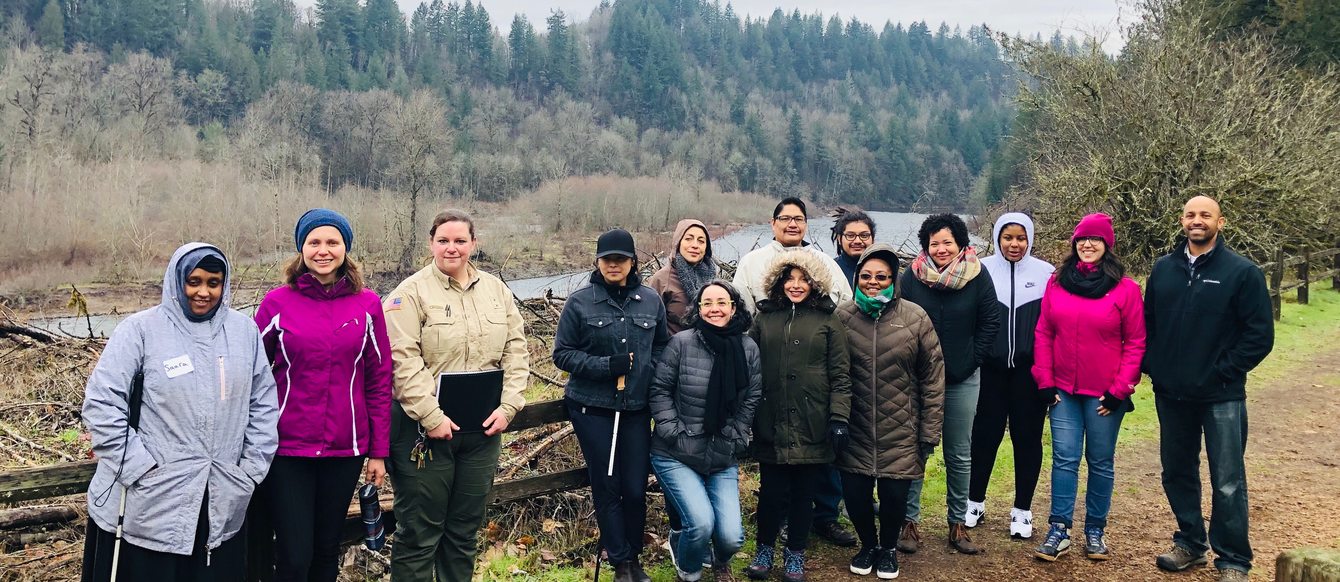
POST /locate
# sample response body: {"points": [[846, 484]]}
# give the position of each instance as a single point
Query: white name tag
{"points": [[178, 366]]}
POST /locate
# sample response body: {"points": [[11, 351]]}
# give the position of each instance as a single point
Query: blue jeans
{"points": [[960, 409], [1224, 425], [709, 512], [1078, 430]]}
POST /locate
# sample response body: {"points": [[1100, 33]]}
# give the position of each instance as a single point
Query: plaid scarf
{"points": [[954, 276]]}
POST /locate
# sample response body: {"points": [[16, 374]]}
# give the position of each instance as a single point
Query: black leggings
{"points": [[620, 501], [786, 493], [858, 491], [1009, 395], [305, 501]]}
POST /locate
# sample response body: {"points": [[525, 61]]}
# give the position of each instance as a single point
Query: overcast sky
{"points": [[1077, 17]]}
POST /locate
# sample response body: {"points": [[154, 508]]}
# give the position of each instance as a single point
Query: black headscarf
{"points": [[730, 370], [202, 258]]}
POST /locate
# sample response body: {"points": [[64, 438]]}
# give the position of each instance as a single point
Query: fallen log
{"points": [[31, 516]]}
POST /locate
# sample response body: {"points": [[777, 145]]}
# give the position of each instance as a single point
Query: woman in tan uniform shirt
{"points": [[448, 317]]}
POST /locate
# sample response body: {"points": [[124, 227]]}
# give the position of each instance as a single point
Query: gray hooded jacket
{"points": [[208, 420]]}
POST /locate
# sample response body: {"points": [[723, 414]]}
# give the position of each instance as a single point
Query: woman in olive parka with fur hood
{"points": [[802, 420]]}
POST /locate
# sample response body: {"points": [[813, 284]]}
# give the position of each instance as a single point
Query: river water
{"points": [[898, 229]]}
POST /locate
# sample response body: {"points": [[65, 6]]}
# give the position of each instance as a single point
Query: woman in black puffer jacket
{"points": [[708, 383]]}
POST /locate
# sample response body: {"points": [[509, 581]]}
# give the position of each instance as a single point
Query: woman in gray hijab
{"points": [[181, 408]]}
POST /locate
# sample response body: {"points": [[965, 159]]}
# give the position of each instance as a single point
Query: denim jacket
{"points": [[594, 327]]}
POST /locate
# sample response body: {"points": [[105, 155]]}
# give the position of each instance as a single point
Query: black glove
{"points": [[925, 450], [838, 435], [1047, 396], [1111, 403], [620, 364]]}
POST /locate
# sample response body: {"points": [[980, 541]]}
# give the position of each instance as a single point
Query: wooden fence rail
{"points": [[70, 478], [1305, 276]]}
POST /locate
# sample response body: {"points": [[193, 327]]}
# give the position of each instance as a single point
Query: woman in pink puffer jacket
{"points": [[1088, 345]]}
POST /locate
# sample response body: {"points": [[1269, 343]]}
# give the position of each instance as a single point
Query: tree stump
{"points": [[1308, 565]]}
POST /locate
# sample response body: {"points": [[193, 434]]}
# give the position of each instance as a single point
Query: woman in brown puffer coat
{"points": [[897, 375]]}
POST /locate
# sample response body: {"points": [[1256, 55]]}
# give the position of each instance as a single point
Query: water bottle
{"points": [[371, 508]]}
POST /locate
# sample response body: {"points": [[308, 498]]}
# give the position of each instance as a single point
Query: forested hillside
{"points": [[886, 115]]}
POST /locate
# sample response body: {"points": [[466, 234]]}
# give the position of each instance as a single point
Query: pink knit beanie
{"points": [[1096, 224]]}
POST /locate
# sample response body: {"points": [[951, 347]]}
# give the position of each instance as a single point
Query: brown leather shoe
{"points": [[909, 539], [959, 540]]}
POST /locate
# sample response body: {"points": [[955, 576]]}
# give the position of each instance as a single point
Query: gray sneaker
{"points": [[1179, 558], [1231, 575]]}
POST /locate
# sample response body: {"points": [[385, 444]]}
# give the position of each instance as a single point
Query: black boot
{"points": [[623, 572]]}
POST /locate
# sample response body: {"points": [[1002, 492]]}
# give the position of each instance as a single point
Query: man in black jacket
{"points": [[1209, 322]]}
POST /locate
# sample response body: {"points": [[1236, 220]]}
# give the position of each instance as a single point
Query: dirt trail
{"points": [[1293, 476]]}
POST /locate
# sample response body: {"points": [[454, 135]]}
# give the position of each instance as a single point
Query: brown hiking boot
{"points": [[721, 573], [909, 539], [959, 540]]}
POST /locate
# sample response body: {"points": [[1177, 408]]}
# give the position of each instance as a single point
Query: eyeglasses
{"points": [[1088, 239], [851, 236], [880, 277], [790, 219], [720, 304]]}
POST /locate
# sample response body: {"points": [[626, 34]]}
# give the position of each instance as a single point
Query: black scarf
{"points": [[730, 371], [1089, 285], [618, 294]]}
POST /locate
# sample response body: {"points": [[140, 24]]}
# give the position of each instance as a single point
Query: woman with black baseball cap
{"points": [[609, 337]]}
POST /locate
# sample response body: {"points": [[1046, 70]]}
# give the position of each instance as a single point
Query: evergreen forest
{"points": [[886, 115]]}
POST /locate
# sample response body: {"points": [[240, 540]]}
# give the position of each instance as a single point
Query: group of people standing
{"points": [[840, 375]]}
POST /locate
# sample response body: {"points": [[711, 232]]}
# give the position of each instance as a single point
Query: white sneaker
{"points": [[976, 511], [1021, 523]]}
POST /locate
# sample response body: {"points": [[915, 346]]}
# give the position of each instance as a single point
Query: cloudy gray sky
{"points": [[1077, 17]]}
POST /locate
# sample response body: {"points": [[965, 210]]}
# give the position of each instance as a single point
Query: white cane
{"points": [[120, 519], [614, 436]]}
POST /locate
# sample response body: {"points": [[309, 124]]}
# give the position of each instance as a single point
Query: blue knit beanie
{"points": [[323, 217]]}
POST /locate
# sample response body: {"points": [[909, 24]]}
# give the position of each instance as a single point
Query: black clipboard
{"points": [[468, 398]]}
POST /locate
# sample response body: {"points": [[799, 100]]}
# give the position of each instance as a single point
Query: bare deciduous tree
{"points": [[1185, 110], [420, 141]]}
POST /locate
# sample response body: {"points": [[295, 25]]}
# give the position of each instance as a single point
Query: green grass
{"points": [[1302, 333]]}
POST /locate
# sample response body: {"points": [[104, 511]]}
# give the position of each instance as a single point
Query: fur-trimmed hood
{"points": [[814, 268]]}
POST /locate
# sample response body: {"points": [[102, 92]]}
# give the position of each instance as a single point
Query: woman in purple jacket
{"points": [[325, 335], [1086, 359]]}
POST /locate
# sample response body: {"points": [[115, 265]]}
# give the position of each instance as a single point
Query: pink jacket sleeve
{"points": [[264, 313], [1132, 340], [378, 375], [1042, 342]]}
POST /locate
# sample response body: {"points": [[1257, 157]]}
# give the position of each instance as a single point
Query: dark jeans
{"points": [[859, 490], [439, 507], [306, 500], [786, 493], [621, 500], [1224, 425], [1009, 396], [225, 563], [827, 495]]}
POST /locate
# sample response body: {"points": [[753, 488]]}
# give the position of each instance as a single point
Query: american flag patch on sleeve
{"points": [[395, 304]]}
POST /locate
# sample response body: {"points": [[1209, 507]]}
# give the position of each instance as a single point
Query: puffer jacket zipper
{"points": [[874, 397]]}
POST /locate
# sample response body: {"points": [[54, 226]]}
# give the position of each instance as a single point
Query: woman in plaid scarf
{"points": [[949, 283]]}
